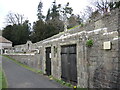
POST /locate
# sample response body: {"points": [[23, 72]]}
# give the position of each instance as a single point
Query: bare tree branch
{"points": [[15, 18]]}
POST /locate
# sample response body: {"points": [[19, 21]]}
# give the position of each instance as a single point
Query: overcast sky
{"points": [[29, 7]]}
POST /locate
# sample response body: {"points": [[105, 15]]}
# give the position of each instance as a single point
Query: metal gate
{"points": [[48, 61], [68, 64]]}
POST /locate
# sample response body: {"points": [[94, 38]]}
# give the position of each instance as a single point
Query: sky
{"points": [[28, 8]]}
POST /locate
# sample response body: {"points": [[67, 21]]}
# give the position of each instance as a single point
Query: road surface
{"points": [[19, 77]]}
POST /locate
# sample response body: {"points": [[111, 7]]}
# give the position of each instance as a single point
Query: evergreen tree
{"points": [[18, 34], [54, 11], [48, 15], [40, 15]]}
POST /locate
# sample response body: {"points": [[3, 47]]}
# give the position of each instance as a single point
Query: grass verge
{"points": [[4, 80]]}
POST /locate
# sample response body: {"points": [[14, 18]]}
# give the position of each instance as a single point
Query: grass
{"points": [[3, 81], [0, 78]]}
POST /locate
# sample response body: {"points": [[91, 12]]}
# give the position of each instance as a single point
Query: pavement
{"points": [[19, 77]]}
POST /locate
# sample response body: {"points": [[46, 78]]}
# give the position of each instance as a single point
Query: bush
{"points": [[89, 43]]}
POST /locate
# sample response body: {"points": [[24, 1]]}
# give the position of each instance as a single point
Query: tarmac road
{"points": [[19, 77]]}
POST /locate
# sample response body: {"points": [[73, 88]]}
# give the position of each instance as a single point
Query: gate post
{"points": [[59, 62], [44, 59], [82, 74]]}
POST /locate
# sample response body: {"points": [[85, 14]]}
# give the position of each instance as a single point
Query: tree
{"points": [[105, 6], [15, 18], [42, 30], [40, 15], [66, 13], [8, 32], [86, 13], [54, 11], [79, 19], [54, 21], [38, 31], [53, 18], [18, 34], [48, 15], [67, 10], [51, 26], [114, 5], [57, 24]]}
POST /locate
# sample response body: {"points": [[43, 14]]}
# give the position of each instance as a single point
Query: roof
{"points": [[4, 40]]}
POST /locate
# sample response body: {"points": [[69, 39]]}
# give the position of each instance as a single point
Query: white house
{"points": [[5, 45]]}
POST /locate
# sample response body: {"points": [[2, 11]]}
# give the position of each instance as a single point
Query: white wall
{"points": [[5, 45]]}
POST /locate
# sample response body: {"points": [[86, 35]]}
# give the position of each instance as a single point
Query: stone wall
{"points": [[34, 61], [97, 67]]}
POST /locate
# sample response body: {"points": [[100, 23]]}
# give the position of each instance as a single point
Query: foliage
{"points": [[40, 15], [48, 15], [42, 30], [89, 43], [114, 5], [18, 34], [67, 10], [53, 18], [51, 26], [54, 11]]}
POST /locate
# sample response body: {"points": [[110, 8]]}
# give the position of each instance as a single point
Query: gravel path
{"points": [[19, 77]]}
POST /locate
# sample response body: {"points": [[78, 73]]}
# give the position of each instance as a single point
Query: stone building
{"points": [[86, 56], [5, 45]]}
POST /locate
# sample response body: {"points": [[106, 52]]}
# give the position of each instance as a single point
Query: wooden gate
{"points": [[69, 64], [48, 61]]}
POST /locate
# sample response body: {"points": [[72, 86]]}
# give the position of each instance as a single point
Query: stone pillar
{"points": [[52, 61], [82, 74], [43, 61], [59, 62]]}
